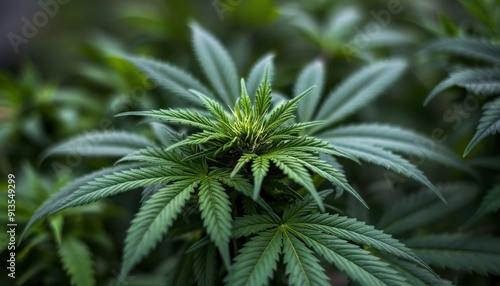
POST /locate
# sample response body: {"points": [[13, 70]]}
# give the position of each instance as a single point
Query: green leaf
{"points": [[258, 72], [56, 224], [298, 173], [77, 261], [204, 265], [414, 274], [263, 98], [489, 124], [216, 110], [481, 81], [303, 206], [395, 139], [174, 160], [325, 170], [285, 111], [52, 204], [304, 23], [359, 264], [174, 80], [251, 224], [107, 143], [217, 65], [339, 25], [116, 183], [359, 89], [468, 47], [178, 116], [357, 232], [242, 161], [422, 208], [312, 74], [153, 220], [215, 210], [260, 167], [460, 252], [387, 159], [302, 267], [490, 204], [257, 260]]}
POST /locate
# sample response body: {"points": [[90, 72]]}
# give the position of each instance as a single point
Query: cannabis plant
{"points": [[252, 170], [74, 239], [482, 82]]}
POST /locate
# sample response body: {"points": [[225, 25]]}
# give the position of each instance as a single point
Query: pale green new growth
{"points": [[257, 136]]}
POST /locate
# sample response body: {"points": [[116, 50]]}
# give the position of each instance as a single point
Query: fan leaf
{"points": [[77, 261], [257, 260], [359, 89], [217, 65], [174, 80], [489, 124], [153, 220], [215, 210], [311, 75]]}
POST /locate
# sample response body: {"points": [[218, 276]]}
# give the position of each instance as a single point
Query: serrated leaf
{"points": [[387, 159], [357, 232], [483, 82], [52, 204], [312, 74], [359, 264], [107, 143], [468, 47], [262, 98], [174, 80], [251, 224], [116, 183], [257, 74], [359, 89], [395, 139], [299, 174], [303, 206], [414, 274], [257, 260], [489, 124], [490, 204], [339, 24], [154, 220], [215, 210], [460, 252], [77, 261], [217, 65], [215, 109], [334, 176], [204, 265], [422, 208], [177, 116], [260, 167], [285, 111], [302, 267]]}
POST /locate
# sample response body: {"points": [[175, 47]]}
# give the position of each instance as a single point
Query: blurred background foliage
{"points": [[70, 79]]}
